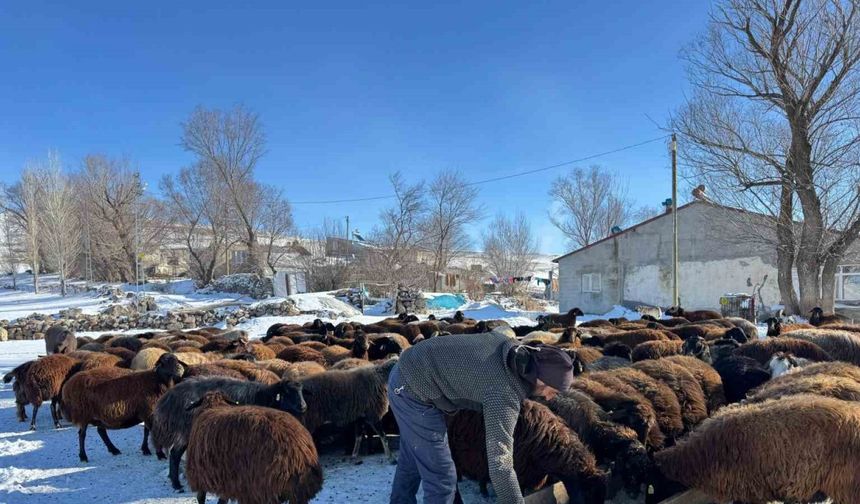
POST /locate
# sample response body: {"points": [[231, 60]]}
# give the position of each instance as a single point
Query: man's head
{"points": [[544, 366]]}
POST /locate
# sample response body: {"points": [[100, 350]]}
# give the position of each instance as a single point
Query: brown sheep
{"points": [[281, 340], [631, 408], [842, 369], [664, 401], [693, 316], [112, 400], [543, 446], [299, 370], [656, 349], [261, 351], [44, 380], [611, 442], [277, 366], [588, 354], [123, 353], [298, 353], [694, 405], [18, 374], [836, 387], [156, 344], [316, 345], [709, 379], [741, 453], [129, 342], [335, 353], [251, 454], [763, 350], [212, 369], [93, 360], [350, 363], [250, 370], [841, 345], [633, 338]]}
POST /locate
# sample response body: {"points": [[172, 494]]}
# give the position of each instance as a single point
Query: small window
{"points": [[591, 282]]}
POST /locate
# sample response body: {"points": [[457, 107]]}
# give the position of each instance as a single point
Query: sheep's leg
{"points": [[82, 437], [483, 488], [33, 420], [377, 428], [359, 433], [201, 497], [22, 413], [55, 412], [144, 447], [106, 440], [175, 458]]}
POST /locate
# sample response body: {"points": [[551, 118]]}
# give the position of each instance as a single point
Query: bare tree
{"points": [[12, 252], [275, 224], [232, 142], [589, 203], [510, 247], [196, 200], [776, 117], [451, 207], [60, 226], [326, 268], [22, 203], [119, 213], [397, 240]]}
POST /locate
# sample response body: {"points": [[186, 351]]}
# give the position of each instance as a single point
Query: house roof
{"points": [[631, 228]]}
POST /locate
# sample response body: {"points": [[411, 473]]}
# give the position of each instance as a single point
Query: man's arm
{"points": [[500, 419]]}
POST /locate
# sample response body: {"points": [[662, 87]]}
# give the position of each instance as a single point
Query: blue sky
{"points": [[349, 95]]}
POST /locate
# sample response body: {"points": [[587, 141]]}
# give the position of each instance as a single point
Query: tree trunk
{"points": [[785, 250], [828, 283], [809, 280], [35, 269]]}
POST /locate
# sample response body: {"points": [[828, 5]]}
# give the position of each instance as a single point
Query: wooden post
{"points": [[675, 288]]}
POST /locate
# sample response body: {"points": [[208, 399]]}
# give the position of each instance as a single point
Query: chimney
{"points": [[667, 204]]}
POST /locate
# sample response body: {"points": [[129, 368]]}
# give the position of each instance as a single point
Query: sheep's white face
{"points": [[781, 364]]}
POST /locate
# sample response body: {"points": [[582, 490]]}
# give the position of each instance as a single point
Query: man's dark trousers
{"points": [[424, 457]]}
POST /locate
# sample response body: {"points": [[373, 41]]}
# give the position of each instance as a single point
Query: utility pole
{"points": [[675, 292], [347, 239]]}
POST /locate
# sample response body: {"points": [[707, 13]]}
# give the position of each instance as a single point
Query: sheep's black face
{"points": [[650, 318], [290, 398], [459, 317], [575, 312], [694, 346], [168, 369], [587, 490], [634, 465], [773, 326], [245, 357]]}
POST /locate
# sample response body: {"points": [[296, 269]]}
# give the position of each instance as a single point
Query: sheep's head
{"points": [[630, 468], [360, 345], [590, 489], [383, 347], [698, 348], [169, 369], [650, 318], [782, 363], [575, 312], [737, 334], [675, 311], [482, 327], [289, 397], [774, 326], [576, 360], [249, 357], [458, 316]]}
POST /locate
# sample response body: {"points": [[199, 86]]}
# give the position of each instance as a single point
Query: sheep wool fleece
{"points": [[472, 372]]}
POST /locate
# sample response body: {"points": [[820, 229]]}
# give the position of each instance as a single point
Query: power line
{"points": [[496, 179]]}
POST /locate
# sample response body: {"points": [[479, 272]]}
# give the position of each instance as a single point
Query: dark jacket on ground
{"points": [[472, 372]]}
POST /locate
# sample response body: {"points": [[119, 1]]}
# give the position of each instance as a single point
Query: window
{"points": [[591, 282], [848, 283], [238, 257]]}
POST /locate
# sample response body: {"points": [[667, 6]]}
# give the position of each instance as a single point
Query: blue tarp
{"points": [[446, 302]]}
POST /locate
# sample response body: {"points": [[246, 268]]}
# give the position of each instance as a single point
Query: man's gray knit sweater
{"points": [[471, 372]]}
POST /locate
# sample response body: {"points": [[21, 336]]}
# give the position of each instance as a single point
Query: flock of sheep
{"points": [[658, 405]]}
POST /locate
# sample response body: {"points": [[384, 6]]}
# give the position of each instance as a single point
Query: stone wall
{"points": [[120, 317]]}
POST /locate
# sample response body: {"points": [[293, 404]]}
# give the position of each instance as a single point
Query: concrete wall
{"points": [[636, 265]]}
